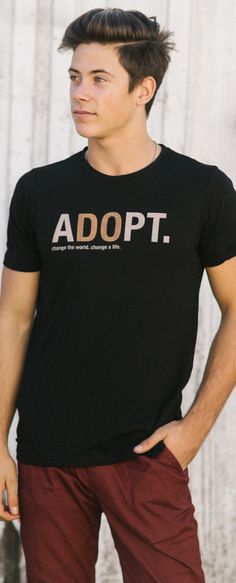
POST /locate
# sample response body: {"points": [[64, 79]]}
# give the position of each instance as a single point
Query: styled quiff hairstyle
{"points": [[145, 50]]}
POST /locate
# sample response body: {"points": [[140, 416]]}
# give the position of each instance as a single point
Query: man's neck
{"points": [[116, 163]]}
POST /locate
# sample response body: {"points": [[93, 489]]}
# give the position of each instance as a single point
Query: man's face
{"points": [[103, 94]]}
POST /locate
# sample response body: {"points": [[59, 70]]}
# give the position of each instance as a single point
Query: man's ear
{"points": [[147, 89]]}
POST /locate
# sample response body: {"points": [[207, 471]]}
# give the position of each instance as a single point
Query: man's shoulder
{"points": [[51, 170], [191, 164]]}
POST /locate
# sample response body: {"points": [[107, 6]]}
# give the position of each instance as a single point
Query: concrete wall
{"points": [[194, 113]]}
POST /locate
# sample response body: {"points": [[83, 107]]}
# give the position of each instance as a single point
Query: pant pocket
{"points": [[174, 459]]}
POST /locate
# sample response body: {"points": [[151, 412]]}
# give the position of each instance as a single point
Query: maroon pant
{"points": [[148, 506]]}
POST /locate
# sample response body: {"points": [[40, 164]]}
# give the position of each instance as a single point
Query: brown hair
{"points": [[145, 50]]}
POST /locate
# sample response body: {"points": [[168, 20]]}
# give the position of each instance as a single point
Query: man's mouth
{"points": [[78, 112]]}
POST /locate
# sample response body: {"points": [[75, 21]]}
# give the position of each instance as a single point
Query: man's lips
{"points": [[78, 112]]}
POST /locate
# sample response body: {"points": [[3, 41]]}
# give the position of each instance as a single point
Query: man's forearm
{"points": [[14, 336], [185, 436], [218, 381]]}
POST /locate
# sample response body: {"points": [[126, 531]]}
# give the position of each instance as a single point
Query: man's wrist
{"points": [[3, 447], [194, 430]]}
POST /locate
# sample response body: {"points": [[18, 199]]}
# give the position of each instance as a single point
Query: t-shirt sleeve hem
{"points": [[212, 262], [17, 267]]}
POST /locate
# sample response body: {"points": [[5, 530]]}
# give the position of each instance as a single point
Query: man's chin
{"points": [[85, 133], [91, 134]]}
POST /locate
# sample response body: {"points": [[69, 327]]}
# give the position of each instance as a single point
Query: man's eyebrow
{"points": [[91, 72]]}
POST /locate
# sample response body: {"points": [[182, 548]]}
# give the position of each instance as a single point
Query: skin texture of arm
{"points": [[17, 309], [184, 437]]}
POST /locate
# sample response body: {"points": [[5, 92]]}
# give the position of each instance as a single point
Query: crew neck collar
{"points": [[122, 177]]}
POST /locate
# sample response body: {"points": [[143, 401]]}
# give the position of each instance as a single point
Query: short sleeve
{"points": [[218, 235], [22, 253]]}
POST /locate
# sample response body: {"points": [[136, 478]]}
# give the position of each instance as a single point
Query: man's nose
{"points": [[81, 91]]}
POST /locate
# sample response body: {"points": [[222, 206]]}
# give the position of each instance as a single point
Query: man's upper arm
{"points": [[222, 279], [19, 291]]}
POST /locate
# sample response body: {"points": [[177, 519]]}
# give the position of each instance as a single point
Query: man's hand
{"points": [[175, 437], [9, 482], [185, 436]]}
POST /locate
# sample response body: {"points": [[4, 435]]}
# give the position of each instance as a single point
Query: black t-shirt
{"points": [[113, 338]]}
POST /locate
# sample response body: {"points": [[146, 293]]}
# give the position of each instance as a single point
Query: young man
{"points": [[110, 246]]}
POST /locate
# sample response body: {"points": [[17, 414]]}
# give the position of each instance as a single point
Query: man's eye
{"points": [[72, 77]]}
